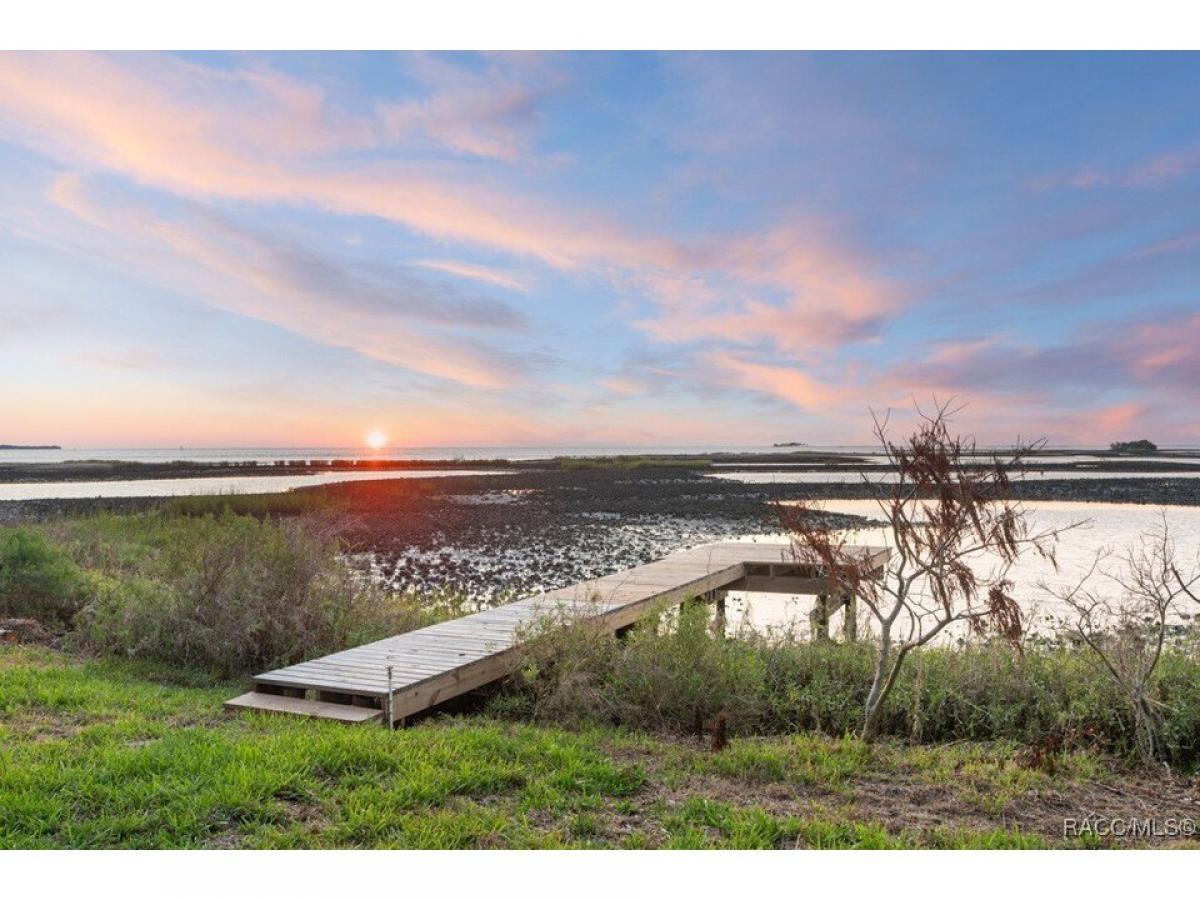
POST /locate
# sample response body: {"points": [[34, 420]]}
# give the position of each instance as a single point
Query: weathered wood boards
{"points": [[317, 709], [434, 664]]}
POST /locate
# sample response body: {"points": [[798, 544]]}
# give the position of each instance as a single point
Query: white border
{"points": [[583, 875], [562, 24], [600, 24]]}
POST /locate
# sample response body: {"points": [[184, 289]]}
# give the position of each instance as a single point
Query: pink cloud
{"points": [[785, 382], [252, 275], [1151, 173], [829, 297], [1115, 419], [1076, 390], [621, 384], [256, 136], [93, 112], [1166, 167], [490, 113], [475, 272]]}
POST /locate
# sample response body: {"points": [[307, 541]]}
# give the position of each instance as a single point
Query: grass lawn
{"points": [[103, 754]]}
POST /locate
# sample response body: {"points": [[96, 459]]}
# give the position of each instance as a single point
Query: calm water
{"points": [[180, 487], [271, 454], [889, 477], [1107, 527], [1174, 458]]}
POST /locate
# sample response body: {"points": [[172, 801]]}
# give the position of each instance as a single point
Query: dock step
{"points": [[255, 701]]}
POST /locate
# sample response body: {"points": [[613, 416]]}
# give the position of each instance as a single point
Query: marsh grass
{"points": [[38, 579], [673, 675], [578, 463], [227, 594], [285, 503]]}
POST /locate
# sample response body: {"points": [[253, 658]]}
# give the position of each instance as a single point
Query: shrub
{"points": [[670, 674], [224, 594], [677, 676], [284, 503], [231, 594], [39, 580], [672, 671]]}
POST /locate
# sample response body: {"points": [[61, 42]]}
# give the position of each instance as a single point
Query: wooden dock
{"points": [[434, 664]]}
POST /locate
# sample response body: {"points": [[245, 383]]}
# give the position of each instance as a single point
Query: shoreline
{"points": [[775, 461], [532, 529]]}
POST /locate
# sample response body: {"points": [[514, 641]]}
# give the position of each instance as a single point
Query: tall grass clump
{"points": [[39, 579], [668, 675], [284, 503], [580, 463], [225, 594]]}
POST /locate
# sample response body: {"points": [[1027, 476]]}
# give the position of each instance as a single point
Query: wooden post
{"points": [[719, 618], [818, 619], [391, 716], [850, 624]]}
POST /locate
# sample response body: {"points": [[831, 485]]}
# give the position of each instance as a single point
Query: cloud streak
{"points": [[475, 272], [299, 289], [92, 112]]}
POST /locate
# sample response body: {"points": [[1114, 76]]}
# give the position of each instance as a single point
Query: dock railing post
{"points": [[850, 624], [818, 619], [391, 720]]}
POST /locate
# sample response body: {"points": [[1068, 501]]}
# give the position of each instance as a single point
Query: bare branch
{"points": [[947, 512]]}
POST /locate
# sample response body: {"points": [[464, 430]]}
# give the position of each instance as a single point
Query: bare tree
{"points": [[1127, 627], [955, 532]]}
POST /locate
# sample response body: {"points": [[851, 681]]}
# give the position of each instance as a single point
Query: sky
{"points": [[298, 249]]}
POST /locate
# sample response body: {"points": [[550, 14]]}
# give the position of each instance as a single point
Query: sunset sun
{"points": [[376, 440]]}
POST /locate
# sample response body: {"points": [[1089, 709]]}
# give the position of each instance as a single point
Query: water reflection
{"points": [[1108, 527], [234, 484], [835, 477]]}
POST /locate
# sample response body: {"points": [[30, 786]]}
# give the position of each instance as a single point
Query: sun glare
{"points": [[376, 440]]}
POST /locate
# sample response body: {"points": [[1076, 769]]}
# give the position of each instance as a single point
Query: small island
{"points": [[1142, 446], [30, 447]]}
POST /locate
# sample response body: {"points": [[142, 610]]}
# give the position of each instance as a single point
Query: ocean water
{"points": [[272, 454], [234, 484]]}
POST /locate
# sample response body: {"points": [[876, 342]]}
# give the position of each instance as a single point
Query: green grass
{"points": [[102, 754], [286, 503]]}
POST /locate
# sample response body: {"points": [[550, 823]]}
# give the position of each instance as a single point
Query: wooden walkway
{"points": [[434, 664]]}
